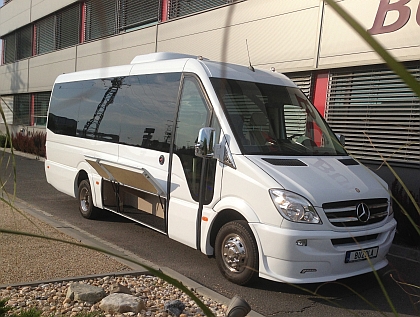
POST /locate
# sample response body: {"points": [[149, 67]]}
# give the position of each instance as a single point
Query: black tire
{"points": [[237, 252], [86, 207]]}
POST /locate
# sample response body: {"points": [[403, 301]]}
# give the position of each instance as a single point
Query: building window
{"points": [[22, 109], [109, 17], [41, 102], [101, 18], [18, 45], [58, 31], [26, 109], [24, 42], [68, 27], [304, 81], [138, 13], [45, 35], [9, 42], [179, 8], [376, 112], [6, 103]]}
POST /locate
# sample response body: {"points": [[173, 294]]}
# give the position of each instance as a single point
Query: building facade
{"points": [[347, 81]]}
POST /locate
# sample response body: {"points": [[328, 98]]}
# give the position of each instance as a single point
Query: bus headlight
{"points": [[294, 207]]}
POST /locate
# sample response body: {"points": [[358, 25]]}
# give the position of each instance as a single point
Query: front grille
{"points": [[344, 214]]}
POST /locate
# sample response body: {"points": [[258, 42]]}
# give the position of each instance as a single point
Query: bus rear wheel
{"points": [[86, 207], [237, 252]]}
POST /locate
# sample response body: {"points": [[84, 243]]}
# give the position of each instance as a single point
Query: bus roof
{"points": [[164, 62]]}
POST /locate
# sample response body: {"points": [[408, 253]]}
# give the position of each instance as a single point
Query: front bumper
{"points": [[281, 259]]}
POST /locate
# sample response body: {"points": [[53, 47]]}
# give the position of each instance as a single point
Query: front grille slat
{"points": [[347, 219], [380, 215], [343, 213]]}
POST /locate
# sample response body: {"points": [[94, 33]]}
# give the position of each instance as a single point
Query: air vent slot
{"points": [[284, 162], [354, 240], [349, 162]]}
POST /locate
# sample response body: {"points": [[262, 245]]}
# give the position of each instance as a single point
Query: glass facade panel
{"points": [[178, 8], [21, 109], [6, 103], [68, 27], [41, 101], [376, 112], [24, 42], [45, 35], [134, 13], [9, 42], [101, 18]]}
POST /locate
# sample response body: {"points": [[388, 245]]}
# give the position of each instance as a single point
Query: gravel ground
{"points": [[26, 259], [51, 298]]}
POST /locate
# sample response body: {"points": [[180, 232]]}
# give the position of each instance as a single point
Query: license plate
{"points": [[361, 255]]}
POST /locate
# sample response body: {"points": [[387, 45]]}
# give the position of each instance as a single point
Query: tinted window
{"points": [[132, 110], [275, 120], [148, 111], [64, 108], [193, 115], [100, 106]]}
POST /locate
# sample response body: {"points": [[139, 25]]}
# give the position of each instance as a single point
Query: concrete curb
{"points": [[27, 155]]}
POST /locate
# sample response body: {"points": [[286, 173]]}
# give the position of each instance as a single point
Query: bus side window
{"points": [[193, 115]]}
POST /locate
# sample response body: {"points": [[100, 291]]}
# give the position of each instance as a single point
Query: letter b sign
{"points": [[404, 13]]}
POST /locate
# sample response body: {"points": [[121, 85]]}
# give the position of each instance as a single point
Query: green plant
{"points": [[30, 312], [4, 141], [406, 231], [3, 307]]}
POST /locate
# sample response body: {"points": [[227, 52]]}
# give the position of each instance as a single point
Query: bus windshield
{"points": [[275, 120]]}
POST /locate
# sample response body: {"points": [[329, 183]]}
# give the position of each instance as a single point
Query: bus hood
{"points": [[323, 179]]}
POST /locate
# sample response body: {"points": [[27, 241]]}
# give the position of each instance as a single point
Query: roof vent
{"points": [[159, 56]]}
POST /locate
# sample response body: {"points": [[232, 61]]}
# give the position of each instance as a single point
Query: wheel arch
{"points": [[84, 172], [230, 209], [221, 219], [81, 175]]}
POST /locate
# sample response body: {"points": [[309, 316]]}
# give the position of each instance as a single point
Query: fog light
{"points": [[302, 242]]}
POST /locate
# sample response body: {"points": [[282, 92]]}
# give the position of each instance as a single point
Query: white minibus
{"points": [[231, 160]]}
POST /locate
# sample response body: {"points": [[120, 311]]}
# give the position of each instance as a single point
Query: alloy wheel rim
{"points": [[84, 200], [234, 253]]}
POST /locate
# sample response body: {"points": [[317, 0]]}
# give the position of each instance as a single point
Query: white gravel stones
{"points": [[154, 292]]}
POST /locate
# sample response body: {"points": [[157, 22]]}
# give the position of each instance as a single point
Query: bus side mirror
{"points": [[342, 139], [205, 143]]}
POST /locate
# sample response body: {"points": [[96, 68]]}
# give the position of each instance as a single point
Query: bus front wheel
{"points": [[237, 252]]}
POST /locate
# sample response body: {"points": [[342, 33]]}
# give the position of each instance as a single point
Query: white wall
{"points": [[341, 46], [280, 35]]}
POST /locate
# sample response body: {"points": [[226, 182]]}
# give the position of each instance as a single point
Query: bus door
{"points": [[193, 185]]}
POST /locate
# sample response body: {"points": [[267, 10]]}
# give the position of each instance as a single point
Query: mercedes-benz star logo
{"points": [[363, 212]]}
